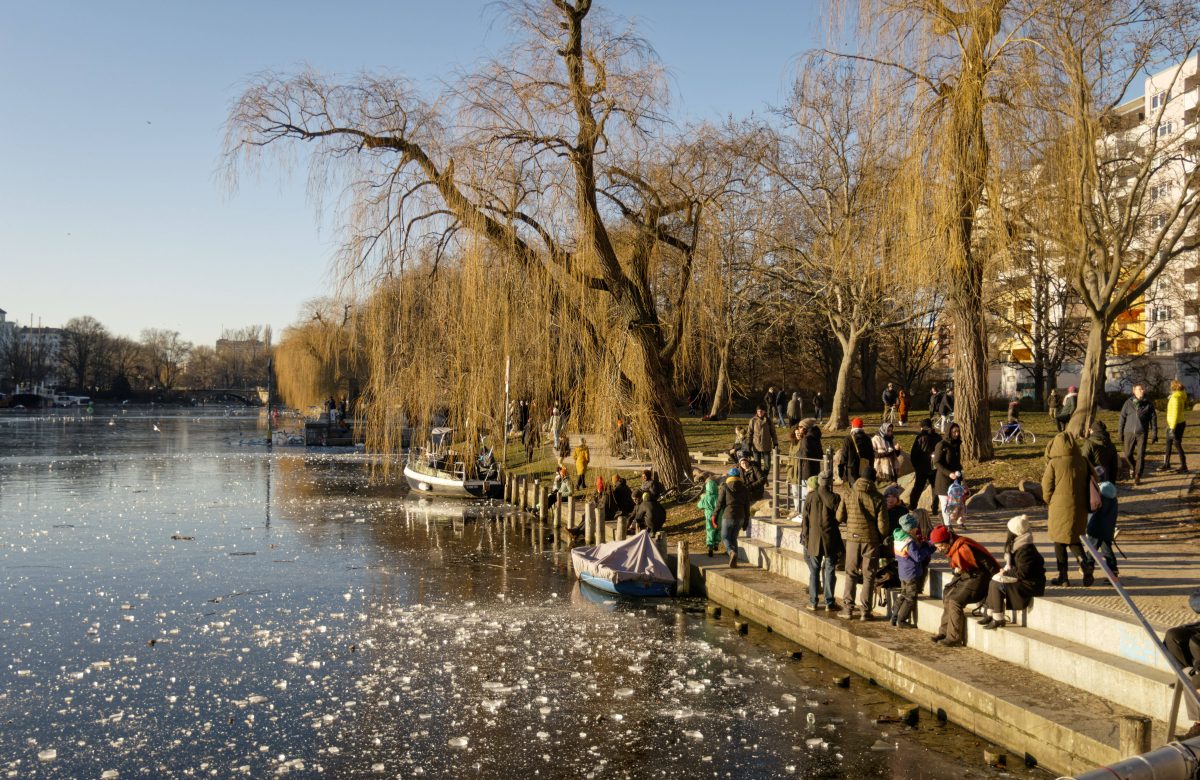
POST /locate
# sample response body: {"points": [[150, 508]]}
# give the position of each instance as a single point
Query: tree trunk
{"points": [[1091, 379], [839, 409], [868, 360], [720, 399], [970, 375], [658, 419]]}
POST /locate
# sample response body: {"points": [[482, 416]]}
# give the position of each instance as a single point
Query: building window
{"points": [[1166, 128], [1159, 221], [1158, 192], [1162, 314], [1163, 345], [1159, 99]]}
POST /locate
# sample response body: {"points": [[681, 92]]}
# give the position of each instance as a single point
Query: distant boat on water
{"points": [[438, 470]]}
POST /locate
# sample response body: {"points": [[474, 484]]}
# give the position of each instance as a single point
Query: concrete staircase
{"points": [[1082, 647]]}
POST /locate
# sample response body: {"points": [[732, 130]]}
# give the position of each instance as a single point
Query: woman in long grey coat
{"points": [[1065, 488]]}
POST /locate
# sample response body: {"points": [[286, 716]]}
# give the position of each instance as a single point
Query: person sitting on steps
{"points": [[973, 568], [1022, 578]]}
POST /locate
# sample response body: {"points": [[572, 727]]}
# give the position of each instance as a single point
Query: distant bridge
{"points": [[250, 396]]}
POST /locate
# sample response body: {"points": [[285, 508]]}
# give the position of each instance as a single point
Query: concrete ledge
{"points": [[1061, 727]]}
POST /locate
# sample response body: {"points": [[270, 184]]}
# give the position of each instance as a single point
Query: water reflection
{"points": [[181, 603]]}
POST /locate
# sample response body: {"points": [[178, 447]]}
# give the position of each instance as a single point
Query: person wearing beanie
{"points": [[947, 462], [1022, 578], [733, 507], [822, 542], [921, 455], [973, 568], [913, 553], [857, 452], [864, 513]]}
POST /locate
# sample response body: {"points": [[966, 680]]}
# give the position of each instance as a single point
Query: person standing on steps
{"points": [[864, 513], [1052, 405], [761, 433], [973, 568], [1176, 412], [1066, 488], [822, 542], [921, 456], [1138, 420], [733, 506], [913, 554]]}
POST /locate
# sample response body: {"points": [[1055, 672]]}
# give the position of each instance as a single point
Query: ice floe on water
{"points": [[367, 635]]}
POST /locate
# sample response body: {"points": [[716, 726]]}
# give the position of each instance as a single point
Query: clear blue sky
{"points": [[110, 200]]}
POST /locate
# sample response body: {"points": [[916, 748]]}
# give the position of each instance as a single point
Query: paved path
{"points": [[1160, 532]]}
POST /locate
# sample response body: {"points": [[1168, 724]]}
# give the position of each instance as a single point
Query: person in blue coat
{"points": [[1102, 525], [913, 554]]}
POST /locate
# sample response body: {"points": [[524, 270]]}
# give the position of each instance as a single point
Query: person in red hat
{"points": [[973, 568], [857, 452]]}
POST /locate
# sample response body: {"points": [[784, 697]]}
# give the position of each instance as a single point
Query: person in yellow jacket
{"points": [[582, 458], [1176, 411]]}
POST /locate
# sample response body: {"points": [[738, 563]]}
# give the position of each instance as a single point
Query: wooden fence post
{"points": [[683, 569]]}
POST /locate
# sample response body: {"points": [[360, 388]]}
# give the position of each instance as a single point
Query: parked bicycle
{"points": [[1013, 433]]}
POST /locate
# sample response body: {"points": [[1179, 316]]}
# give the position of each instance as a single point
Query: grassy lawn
{"points": [[1012, 463]]}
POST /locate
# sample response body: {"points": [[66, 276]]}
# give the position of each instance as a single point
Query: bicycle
{"points": [[1011, 432]]}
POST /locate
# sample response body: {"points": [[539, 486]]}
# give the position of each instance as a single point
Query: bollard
{"points": [[521, 494], [589, 531], [1134, 736], [571, 511], [683, 569], [530, 493], [741, 626], [601, 531], [541, 495], [556, 523], [619, 531]]}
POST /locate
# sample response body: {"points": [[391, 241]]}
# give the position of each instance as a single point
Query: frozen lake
{"points": [[181, 603]]}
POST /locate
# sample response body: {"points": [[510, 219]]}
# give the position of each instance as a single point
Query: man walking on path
{"points": [[935, 403], [583, 456], [1052, 405], [733, 507], [819, 406], [780, 402], [890, 398], [1068, 408], [864, 513], [761, 433], [1176, 409], [1139, 419]]}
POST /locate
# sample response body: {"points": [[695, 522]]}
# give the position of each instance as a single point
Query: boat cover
{"points": [[635, 559]]}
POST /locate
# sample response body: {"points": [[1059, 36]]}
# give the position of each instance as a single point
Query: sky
{"points": [[112, 203]]}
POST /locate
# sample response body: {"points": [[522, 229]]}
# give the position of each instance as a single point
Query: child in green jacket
{"points": [[712, 518]]}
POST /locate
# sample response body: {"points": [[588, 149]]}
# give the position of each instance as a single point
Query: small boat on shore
{"points": [[631, 567], [438, 470]]}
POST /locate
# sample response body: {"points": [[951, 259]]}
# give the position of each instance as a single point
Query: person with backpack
{"points": [[857, 451], [913, 553], [822, 542], [864, 513], [1066, 491], [1139, 420], [1102, 523], [1022, 578], [733, 507]]}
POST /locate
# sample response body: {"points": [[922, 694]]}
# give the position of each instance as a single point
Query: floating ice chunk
{"points": [[693, 734], [378, 768], [813, 742], [109, 774], [47, 755], [543, 735], [623, 693], [458, 742], [789, 698], [882, 745]]}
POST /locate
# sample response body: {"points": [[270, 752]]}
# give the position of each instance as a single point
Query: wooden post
{"points": [[1134, 735], [508, 488], [620, 532], [557, 521], [521, 493], [683, 569], [601, 531], [541, 494], [571, 511], [589, 526]]}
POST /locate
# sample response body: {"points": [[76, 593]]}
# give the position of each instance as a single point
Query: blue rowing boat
{"points": [[631, 567]]}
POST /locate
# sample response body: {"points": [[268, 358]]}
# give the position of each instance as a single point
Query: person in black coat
{"points": [[822, 543], [856, 450], [1100, 451], [649, 514], [811, 465], [1027, 568], [650, 484], [733, 506], [1139, 420], [921, 456], [947, 460]]}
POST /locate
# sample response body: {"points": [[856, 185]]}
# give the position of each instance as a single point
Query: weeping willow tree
{"points": [[544, 203], [320, 356], [963, 62], [1120, 176]]}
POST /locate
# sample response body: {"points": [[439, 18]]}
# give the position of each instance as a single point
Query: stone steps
{"points": [[1063, 728], [1080, 646]]}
